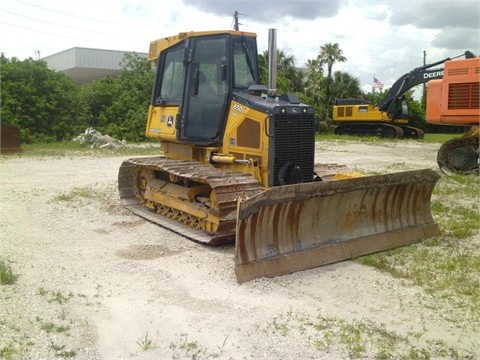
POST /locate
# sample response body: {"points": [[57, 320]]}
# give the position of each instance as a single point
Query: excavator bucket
{"points": [[297, 227]]}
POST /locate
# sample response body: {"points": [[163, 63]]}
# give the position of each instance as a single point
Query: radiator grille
{"points": [[458, 71], [464, 96], [291, 148]]}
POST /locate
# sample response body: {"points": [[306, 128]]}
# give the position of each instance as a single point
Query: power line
{"points": [[47, 33], [64, 26], [91, 19]]}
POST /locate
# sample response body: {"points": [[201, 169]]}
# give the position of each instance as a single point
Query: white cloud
{"points": [[381, 38], [268, 11]]}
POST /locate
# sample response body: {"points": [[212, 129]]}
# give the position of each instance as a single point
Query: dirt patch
{"points": [[96, 282], [144, 252]]}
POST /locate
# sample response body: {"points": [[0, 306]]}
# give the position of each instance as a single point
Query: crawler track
{"points": [[370, 129], [381, 130], [195, 200], [410, 132]]}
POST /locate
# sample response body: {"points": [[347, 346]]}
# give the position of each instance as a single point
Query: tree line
{"points": [[49, 107]]}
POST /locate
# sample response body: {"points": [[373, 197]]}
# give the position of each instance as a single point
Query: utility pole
{"points": [[235, 20], [424, 84]]}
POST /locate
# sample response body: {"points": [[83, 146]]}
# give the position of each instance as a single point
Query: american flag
{"points": [[377, 83]]}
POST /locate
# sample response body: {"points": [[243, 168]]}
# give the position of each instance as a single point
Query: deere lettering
{"points": [[433, 74]]}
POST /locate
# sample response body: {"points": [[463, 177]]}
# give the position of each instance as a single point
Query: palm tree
{"points": [[288, 77], [313, 78], [345, 86], [313, 86], [329, 54]]}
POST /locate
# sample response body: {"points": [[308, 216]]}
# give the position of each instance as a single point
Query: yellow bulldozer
{"points": [[238, 166]]}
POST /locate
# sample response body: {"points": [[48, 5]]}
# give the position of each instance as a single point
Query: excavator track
{"points": [[193, 199], [410, 132], [459, 156], [370, 129]]}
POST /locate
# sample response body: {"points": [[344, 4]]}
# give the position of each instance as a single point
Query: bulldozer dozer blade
{"points": [[298, 227]]}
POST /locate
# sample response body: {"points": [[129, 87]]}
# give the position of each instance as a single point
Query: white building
{"points": [[84, 65]]}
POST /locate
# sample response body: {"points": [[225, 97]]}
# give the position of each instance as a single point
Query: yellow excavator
{"points": [[390, 117], [238, 166]]}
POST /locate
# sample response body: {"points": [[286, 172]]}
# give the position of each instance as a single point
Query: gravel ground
{"points": [[97, 282]]}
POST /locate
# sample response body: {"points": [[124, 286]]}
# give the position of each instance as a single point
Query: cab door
{"points": [[204, 106]]}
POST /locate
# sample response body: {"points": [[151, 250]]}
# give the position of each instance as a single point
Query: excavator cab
{"points": [[402, 110]]}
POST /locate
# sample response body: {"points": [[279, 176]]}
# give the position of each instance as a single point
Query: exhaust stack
{"points": [[272, 62]]}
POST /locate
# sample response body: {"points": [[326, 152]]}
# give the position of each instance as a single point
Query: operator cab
{"points": [[401, 110], [199, 75]]}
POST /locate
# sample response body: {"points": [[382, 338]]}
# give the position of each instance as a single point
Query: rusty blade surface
{"points": [[297, 227]]}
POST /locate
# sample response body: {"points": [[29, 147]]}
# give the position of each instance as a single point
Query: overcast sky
{"points": [[384, 39]]}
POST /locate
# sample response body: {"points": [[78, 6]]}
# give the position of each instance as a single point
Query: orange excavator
{"points": [[455, 100]]}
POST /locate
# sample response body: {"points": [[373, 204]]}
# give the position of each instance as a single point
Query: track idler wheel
{"points": [[458, 156], [143, 177]]}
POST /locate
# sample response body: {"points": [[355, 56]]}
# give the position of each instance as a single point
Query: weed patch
{"points": [[359, 339], [447, 267], [79, 196], [55, 296], [146, 343], [62, 352], [7, 276], [50, 327], [184, 348], [76, 194]]}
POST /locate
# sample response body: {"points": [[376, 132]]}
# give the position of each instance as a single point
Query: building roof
{"points": [[85, 65]]}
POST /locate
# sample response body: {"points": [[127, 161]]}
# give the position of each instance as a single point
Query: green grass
{"points": [[71, 148], [12, 350], [51, 327], [7, 276], [184, 348], [346, 138], [446, 267], [429, 138], [62, 352], [76, 193], [440, 138], [55, 296], [146, 343], [357, 339]]}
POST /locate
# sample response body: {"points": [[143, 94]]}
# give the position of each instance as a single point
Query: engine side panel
{"points": [[455, 100]]}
